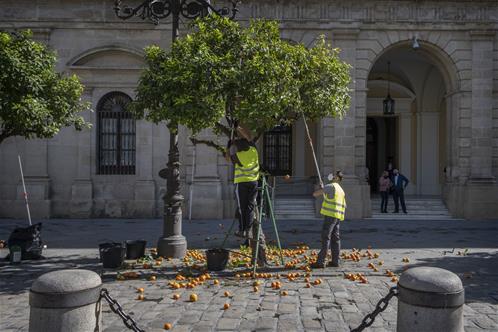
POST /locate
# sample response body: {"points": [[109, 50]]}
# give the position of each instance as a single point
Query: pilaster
{"points": [[82, 187], [206, 188], [144, 198], [482, 107]]}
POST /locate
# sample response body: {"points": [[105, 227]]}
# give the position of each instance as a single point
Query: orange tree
{"points": [[35, 100], [222, 73]]}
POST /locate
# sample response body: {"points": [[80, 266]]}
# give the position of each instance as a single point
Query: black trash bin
{"points": [[217, 259], [111, 254], [135, 249]]}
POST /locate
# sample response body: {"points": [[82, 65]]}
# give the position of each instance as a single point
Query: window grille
{"points": [[277, 150], [116, 135]]}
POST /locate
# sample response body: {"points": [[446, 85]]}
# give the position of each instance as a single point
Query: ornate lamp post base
{"points": [[174, 246]]}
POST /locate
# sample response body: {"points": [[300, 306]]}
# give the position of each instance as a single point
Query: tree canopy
{"points": [[35, 100], [224, 73]]}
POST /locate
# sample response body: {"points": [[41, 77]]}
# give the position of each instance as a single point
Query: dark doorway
{"points": [[381, 146], [277, 150]]}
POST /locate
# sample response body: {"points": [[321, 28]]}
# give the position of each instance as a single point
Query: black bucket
{"points": [[217, 259], [135, 249], [111, 254]]}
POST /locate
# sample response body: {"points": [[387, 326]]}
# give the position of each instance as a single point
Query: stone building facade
{"points": [[443, 76]]}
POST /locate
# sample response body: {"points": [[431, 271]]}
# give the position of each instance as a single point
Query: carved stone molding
{"points": [[374, 11]]}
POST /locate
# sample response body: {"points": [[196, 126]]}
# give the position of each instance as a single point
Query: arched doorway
{"points": [[415, 138]]}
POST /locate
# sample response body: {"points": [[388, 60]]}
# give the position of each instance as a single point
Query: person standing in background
{"points": [[384, 187], [400, 182]]}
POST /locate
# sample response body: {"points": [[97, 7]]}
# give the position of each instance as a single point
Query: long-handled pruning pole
{"points": [[313, 152], [25, 193]]}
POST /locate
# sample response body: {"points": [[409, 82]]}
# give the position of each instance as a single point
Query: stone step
{"points": [[296, 217], [412, 203], [295, 202], [411, 217], [294, 210], [419, 208], [294, 207]]}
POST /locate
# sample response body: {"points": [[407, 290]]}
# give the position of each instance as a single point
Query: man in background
{"points": [[400, 182]]}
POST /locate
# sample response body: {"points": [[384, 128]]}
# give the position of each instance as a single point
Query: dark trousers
{"points": [[384, 195], [399, 195], [330, 240], [246, 193]]}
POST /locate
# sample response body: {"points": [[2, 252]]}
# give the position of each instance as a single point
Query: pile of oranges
{"points": [[356, 277], [356, 255], [190, 282]]}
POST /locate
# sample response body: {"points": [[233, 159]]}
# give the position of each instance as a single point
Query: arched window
{"points": [[116, 135]]}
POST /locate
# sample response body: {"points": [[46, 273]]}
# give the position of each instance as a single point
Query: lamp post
{"points": [[172, 243]]}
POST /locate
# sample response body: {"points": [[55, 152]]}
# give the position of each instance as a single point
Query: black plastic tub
{"points": [[111, 254], [217, 259], [135, 249]]}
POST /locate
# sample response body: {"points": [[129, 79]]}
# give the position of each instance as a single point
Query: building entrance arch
{"points": [[419, 134]]}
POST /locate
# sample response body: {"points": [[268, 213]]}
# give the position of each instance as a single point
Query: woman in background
{"points": [[384, 187]]}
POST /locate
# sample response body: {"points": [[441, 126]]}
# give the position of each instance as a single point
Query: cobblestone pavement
{"points": [[336, 304]]}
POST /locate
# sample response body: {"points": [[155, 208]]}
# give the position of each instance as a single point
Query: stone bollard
{"points": [[430, 299], [66, 301]]}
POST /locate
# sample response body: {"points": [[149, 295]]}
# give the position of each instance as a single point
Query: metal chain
{"points": [[381, 306], [117, 309]]}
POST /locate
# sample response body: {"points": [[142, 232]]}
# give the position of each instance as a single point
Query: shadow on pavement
{"points": [[380, 234], [15, 279], [478, 272]]}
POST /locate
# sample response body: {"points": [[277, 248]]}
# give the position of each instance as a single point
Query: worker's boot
{"points": [[317, 265]]}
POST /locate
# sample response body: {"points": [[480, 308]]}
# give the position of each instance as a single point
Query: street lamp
{"points": [[172, 243]]}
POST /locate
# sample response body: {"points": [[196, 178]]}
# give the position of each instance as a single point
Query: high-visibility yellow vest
{"points": [[334, 207], [249, 171]]}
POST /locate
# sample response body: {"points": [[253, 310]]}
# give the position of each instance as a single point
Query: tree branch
{"points": [[224, 129], [208, 143], [258, 135]]}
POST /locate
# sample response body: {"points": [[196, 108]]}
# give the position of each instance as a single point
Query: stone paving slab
{"points": [[335, 305]]}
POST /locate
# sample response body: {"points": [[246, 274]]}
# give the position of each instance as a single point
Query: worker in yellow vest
{"points": [[243, 154], [333, 209]]}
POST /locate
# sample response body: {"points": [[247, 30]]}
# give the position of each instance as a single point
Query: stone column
{"points": [[82, 187], [428, 158], [405, 124], [144, 199], [207, 200]]}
